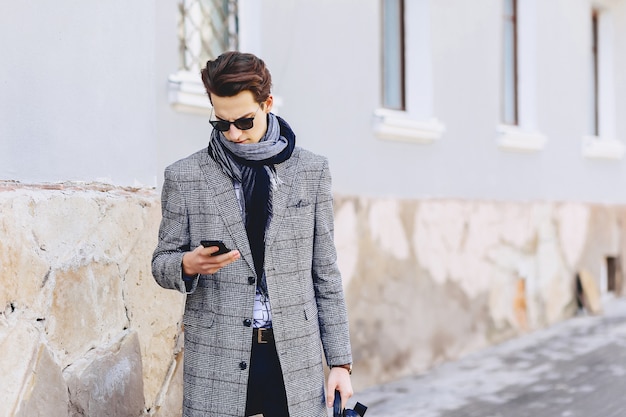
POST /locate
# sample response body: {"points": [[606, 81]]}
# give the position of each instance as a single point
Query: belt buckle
{"points": [[259, 338]]}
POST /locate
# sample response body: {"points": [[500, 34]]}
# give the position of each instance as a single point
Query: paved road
{"points": [[576, 368]]}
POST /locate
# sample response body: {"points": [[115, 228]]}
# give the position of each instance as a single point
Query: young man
{"points": [[255, 315]]}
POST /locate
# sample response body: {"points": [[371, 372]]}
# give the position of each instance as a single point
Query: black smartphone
{"points": [[222, 248]]}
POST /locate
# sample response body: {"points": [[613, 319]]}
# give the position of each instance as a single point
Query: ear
{"points": [[268, 104]]}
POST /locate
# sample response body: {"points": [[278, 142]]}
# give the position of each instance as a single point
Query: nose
{"points": [[234, 133]]}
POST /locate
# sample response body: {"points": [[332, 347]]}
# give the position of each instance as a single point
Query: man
{"points": [[255, 315]]}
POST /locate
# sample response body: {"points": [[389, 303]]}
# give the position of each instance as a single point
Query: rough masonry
{"points": [[83, 325]]}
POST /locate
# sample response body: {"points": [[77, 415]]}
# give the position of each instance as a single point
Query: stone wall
{"points": [[433, 280], [84, 328]]}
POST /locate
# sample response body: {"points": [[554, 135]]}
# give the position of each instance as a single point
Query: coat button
{"points": [[247, 322], [251, 280], [242, 365]]}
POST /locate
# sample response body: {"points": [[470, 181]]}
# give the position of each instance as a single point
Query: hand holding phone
{"points": [[222, 248]]}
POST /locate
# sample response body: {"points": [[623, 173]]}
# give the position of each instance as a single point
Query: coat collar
{"points": [[230, 210]]}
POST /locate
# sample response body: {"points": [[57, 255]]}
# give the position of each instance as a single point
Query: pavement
{"points": [[576, 368]]}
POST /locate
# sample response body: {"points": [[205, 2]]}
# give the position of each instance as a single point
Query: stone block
{"points": [[45, 391], [64, 224], [170, 403], [387, 228], [155, 313], [87, 309], [108, 381], [24, 271], [347, 240], [572, 222], [18, 343]]}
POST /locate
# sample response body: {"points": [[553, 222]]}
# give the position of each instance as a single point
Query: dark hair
{"points": [[233, 72]]}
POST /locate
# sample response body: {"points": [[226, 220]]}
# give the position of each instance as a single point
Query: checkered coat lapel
{"points": [[226, 199], [286, 173]]}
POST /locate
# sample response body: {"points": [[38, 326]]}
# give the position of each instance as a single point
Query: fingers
{"points": [[339, 379], [330, 395], [201, 261], [209, 250], [331, 386], [212, 264], [345, 396]]}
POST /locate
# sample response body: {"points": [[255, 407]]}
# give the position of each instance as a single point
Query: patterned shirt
{"points": [[262, 313]]}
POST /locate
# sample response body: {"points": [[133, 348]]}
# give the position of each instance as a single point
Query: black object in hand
{"points": [[222, 248], [359, 409]]}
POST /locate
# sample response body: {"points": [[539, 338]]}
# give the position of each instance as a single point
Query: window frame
{"points": [[602, 142], [595, 114], [185, 89], [511, 22], [413, 121], [399, 77], [523, 136]]}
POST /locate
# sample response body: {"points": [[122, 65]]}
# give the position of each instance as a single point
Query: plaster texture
{"points": [[433, 280]]}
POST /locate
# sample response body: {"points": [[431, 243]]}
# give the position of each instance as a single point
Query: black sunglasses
{"points": [[244, 123]]}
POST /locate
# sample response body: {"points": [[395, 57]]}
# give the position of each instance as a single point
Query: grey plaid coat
{"points": [[306, 294]]}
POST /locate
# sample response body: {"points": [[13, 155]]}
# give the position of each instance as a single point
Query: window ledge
{"points": [[512, 138], [396, 126], [596, 147], [187, 94]]}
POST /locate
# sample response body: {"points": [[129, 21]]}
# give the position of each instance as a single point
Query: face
{"points": [[241, 106]]}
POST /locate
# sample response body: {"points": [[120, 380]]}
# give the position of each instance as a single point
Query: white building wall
{"points": [[77, 92], [178, 133], [328, 72], [77, 106]]}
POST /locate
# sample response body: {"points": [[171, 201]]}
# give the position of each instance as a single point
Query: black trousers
{"points": [[266, 388]]}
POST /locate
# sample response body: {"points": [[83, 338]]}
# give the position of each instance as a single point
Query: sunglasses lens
{"points": [[241, 124], [244, 124], [220, 125]]}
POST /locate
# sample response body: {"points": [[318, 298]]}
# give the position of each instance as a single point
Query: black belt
{"points": [[262, 336]]}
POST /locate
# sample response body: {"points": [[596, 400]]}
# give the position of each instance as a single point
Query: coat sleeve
{"points": [[331, 304], [174, 238]]}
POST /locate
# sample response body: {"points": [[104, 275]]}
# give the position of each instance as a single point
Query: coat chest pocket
{"points": [[299, 218], [299, 208]]}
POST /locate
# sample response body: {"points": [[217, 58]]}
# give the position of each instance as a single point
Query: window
{"points": [[393, 54], [593, 102], [206, 28], [509, 88], [518, 128], [601, 140], [406, 108]]}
